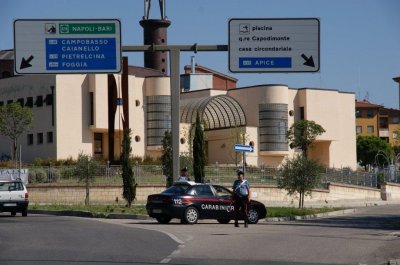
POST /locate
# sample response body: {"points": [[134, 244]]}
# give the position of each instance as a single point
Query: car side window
{"points": [[203, 190], [18, 186], [3, 187], [222, 192]]}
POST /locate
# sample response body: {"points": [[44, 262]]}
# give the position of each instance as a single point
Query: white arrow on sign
{"points": [[244, 148]]}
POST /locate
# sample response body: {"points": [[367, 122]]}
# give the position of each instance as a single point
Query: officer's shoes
{"points": [[245, 225], [236, 225]]}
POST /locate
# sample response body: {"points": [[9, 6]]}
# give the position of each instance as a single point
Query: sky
{"points": [[360, 39]]}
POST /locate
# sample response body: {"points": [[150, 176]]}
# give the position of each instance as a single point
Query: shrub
{"points": [[37, 175]]}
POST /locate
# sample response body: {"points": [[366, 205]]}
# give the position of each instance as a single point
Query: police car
{"points": [[190, 201]]}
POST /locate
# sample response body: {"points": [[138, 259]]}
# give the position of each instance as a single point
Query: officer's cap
{"points": [[184, 169], [239, 172]]}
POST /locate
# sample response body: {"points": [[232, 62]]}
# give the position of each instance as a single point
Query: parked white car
{"points": [[13, 197]]}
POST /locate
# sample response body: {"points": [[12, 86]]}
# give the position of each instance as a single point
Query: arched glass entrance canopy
{"points": [[218, 112]]}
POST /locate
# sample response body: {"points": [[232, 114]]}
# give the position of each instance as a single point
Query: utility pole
{"points": [[174, 53]]}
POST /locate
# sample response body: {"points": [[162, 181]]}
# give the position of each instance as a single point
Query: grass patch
{"points": [[95, 209], [290, 211], [141, 209]]}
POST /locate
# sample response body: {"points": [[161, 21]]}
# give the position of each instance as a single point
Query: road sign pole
{"points": [[175, 98], [244, 163]]}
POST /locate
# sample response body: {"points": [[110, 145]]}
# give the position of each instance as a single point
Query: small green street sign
{"points": [[87, 28]]}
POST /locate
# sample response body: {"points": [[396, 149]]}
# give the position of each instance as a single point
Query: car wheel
{"points": [[24, 212], [163, 219], [253, 215], [13, 213], [191, 215], [223, 221]]}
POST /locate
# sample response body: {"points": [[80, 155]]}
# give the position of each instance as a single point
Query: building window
{"points": [[29, 102], [39, 138], [394, 119], [358, 129], [21, 101], [383, 122], [370, 129], [370, 113], [358, 113], [49, 99], [1, 103], [98, 143], [30, 139], [39, 101], [302, 113], [49, 137]]}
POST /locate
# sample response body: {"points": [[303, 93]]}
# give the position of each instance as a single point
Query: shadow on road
{"points": [[384, 222]]}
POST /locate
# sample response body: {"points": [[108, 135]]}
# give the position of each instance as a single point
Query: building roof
{"points": [[218, 112], [208, 70], [144, 72], [7, 55], [366, 104]]}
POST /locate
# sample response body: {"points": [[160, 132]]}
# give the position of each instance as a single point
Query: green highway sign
{"points": [[67, 46]]}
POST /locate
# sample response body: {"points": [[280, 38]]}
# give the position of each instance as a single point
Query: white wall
{"points": [[73, 116]]}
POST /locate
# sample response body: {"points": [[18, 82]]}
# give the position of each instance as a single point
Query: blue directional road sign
{"points": [[244, 148], [67, 46], [274, 45]]}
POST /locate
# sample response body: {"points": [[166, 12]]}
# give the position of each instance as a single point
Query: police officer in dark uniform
{"points": [[241, 197]]}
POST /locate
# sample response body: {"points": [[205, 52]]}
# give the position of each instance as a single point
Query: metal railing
{"points": [[153, 175]]}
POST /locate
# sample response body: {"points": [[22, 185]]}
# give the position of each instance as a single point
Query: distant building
{"points": [[376, 120], [73, 114], [367, 118]]}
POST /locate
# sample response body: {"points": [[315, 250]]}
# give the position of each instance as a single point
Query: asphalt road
{"points": [[41, 239], [369, 236]]}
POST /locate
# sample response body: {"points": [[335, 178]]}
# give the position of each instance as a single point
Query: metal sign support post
{"points": [[244, 163], [175, 105], [174, 51]]}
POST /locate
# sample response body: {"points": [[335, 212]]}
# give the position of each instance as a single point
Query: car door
{"points": [[225, 201], [206, 201]]}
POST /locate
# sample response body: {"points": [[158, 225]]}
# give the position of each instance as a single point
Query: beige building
{"points": [[73, 114], [268, 111]]}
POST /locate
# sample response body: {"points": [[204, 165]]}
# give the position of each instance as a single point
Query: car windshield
{"points": [[176, 189], [9, 186]]}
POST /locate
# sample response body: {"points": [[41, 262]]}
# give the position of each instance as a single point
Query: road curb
{"points": [[309, 217], [91, 215]]}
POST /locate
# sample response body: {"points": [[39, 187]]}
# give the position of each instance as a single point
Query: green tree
{"points": [[15, 120], [129, 183], [303, 133], [198, 152], [166, 157], [85, 169], [367, 149], [299, 175]]}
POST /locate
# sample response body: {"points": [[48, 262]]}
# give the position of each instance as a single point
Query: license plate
{"points": [[157, 211], [10, 204]]}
